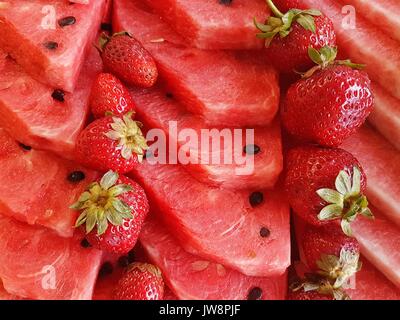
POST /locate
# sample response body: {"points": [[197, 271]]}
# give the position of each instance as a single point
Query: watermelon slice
{"points": [[194, 278], [380, 161], [386, 115], [225, 89], [364, 44], [57, 268], [30, 113], [50, 39], [219, 224], [156, 109], [369, 283], [35, 187], [383, 14], [210, 24], [4, 295]]}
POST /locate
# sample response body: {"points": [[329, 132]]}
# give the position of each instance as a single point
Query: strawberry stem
{"points": [[274, 9]]}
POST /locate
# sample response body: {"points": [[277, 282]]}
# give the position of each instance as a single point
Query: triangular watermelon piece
{"points": [[380, 161], [31, 114], [191, 277], [220, 224], [159, 110], [35, 263], [50, 39], [212, 24], [35, 187], [227, 89]]}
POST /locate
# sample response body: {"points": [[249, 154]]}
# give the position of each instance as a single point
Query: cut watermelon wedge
{"points": [[380, 161], [225, 89], [194, 278], [50, 40], [31, 114], [210, 24], [158, 110], [369, 283], [386, 115], [4, 295], [35, 187], [220, 224], [35, 263], [383, 14], [361, 41]]}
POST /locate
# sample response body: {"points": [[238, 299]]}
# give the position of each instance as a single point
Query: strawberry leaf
{"points": [[307, 22]]}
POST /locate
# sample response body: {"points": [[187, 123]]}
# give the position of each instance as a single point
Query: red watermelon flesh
{"points": [[34, 186], [225, 89], [384, 14], [156, 110], [211, 24], [35, 263], [380, 161], [30, 113], [365, 43], [380, 243], [192, 277], [220, 224], [369, 283], [53, 54], [4, 295], [386, 115]]}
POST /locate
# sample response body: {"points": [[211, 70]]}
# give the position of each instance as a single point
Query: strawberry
{"points": [[331, 103], [125, 57], [325, 184], [111, 143], [331, 253], [109, 97], [308, 295], [288, 37], [113, 210], [142, 281]]}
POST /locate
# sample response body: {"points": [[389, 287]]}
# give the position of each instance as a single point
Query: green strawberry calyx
{"points": [[346, 202], [129, 135], [281, 24], [146, 267], [105, 39], [320, 284], [100, 204], [339, 269], [326, 57]]}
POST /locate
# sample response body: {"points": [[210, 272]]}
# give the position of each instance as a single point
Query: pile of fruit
{"points": [[102, 220]]}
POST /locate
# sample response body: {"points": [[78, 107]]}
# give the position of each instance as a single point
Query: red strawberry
{"points": [[330, 253], [308, 295], [111, 143], [109, 96], [142, 281], [113, 211], [324, 184], [125, 57], [288, 37], [330, 104]]}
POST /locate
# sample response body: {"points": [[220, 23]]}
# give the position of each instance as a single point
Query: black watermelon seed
{"points": [[225, 2], [131, 256], [251, 149], [256, 198], [255, 294], [123, 261], [106, 269], [169, 95], [25, 147], [67, 21], [58, 95], [76, 176], [106, 27], [85, 243], [264, 232], [51, 45]]}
